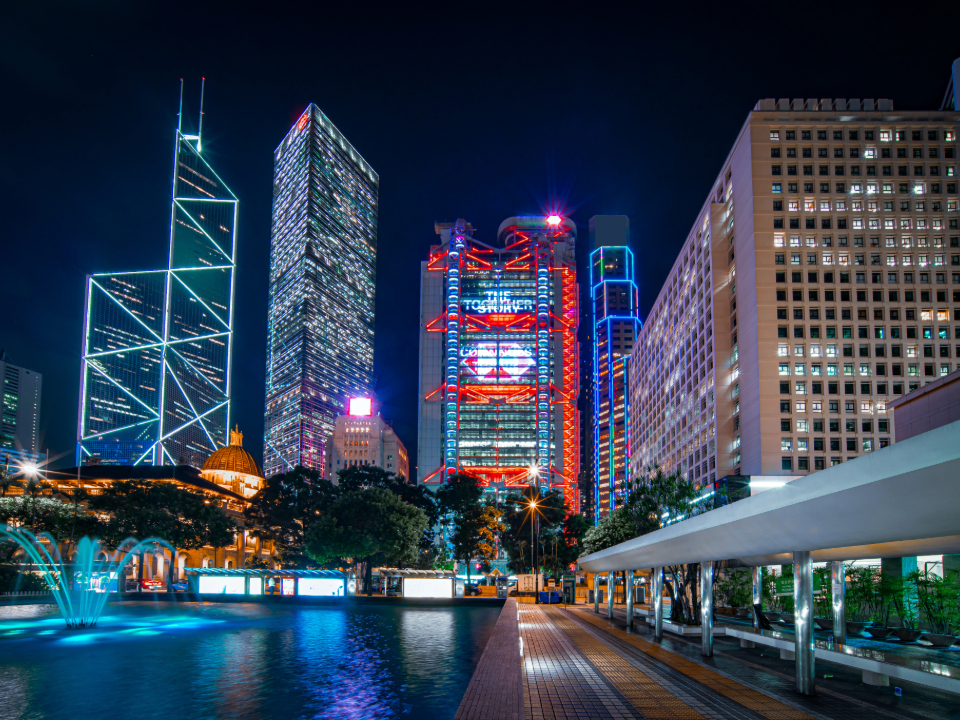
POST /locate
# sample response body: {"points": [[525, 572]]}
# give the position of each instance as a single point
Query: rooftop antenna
{"points": [[203, 81], [180, 108]]}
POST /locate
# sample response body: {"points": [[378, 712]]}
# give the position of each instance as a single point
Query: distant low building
{"points": [[230, 477], [20, 391], [362, 438]]}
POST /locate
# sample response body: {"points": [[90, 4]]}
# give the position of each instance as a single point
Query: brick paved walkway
{"points": [[577, 664]]}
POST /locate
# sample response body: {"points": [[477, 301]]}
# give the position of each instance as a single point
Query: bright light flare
{"points": [[553, 220], [29, 468], [362, 406]]}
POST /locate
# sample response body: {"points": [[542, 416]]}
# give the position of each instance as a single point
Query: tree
{"points": [[652, 502], [368, 525], [550, 514], [359, 477], [144, 508], [460, 508], [50, 515], [283, 509]]}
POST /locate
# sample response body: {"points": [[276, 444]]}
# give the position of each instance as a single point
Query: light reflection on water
{"points": [[149, 660]]}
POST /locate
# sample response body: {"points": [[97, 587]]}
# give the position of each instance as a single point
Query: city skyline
{"points": [[589, 160]]}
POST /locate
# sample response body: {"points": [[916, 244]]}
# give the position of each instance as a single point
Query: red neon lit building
{"points": [[499, 357]]}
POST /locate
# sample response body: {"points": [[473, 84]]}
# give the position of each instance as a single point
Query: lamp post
{"points": [[533, 550]]}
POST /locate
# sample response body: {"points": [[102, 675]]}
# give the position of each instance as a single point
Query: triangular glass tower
{"points": [[157, 344]]}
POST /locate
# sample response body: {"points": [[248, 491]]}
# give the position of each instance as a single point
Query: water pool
{"points": [[194, 660]]}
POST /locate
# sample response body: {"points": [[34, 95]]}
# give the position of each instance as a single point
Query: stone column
{"points": [[757, 574], [803, 616], [657, 582], [611, 584], [706, 609], [628, 588], [838, 591]]}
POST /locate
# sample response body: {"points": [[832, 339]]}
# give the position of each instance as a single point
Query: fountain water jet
{"points": [[81, 588]]}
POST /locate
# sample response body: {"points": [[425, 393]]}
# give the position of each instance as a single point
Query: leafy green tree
{"points": [[359, 477], [617, 527], [50, 515], [144, 508], [282, 511], [459, 500], [367, 526]]}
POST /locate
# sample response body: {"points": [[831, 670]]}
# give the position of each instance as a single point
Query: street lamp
{"points": [[533, 550]]}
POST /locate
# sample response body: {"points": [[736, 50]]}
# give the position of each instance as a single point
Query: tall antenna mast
{"points": [[180, 108], [203, 81]]}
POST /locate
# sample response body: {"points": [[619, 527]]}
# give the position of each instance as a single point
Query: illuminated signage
{"points": [[492, 362], [286, 586], [256, 586], [428, 587], [361, 406], [320, 586], [497, 301], [304, 119], [221, 585]]}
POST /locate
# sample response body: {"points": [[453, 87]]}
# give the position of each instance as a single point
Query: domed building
{"points": [[233, 468]]}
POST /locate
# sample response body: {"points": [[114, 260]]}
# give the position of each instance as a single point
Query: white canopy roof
{"points": [[900, 501]]}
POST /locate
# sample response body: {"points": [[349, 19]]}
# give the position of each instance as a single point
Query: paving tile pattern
{"points": [[559, 681], [495, 691]]}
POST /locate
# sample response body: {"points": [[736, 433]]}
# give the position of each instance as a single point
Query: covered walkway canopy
{"points": [[262, 572], [902, 500]]}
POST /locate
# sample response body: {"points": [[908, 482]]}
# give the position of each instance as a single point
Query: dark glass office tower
{"points": [[323, 251], [155, 385]]}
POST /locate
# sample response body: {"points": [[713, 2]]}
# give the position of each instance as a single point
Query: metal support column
{"points": [[658, 603], [803, 616], [596, 592], [838, 590], [611, 584], [628, 589], [706, 609], [757, 593]]}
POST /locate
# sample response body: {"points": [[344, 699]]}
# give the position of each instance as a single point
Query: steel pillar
{"points": [[628, 589], [757, 573], [706, 609], [658, 603], [611, 584], [596, 592], [838, 590], [803, 616]]}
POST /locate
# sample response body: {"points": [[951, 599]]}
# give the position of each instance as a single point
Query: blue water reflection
{"points": [[189, 660]]}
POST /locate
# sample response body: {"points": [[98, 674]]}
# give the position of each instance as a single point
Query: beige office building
{"points": [[365, 440], [820, 281]]}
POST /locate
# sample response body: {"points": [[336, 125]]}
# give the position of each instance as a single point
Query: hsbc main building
{"points": [[499, 357]]}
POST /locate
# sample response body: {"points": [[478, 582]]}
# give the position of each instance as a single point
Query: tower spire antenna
{"points": [[203, 81], [180, 108]]}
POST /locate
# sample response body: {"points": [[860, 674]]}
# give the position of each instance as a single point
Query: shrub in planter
{"points": [[939, 602], [734, 588]]}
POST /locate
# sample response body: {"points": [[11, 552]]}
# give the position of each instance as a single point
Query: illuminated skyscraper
{"points": [[499, 357], [323, 252], [613, 295], [157, 344]]}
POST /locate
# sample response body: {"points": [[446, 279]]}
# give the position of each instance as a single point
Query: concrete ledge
{"points": [[309, 600], [877, 667], [495, 691]]}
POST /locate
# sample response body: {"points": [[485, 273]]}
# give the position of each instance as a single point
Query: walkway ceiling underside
{"points": [[896, 502]]}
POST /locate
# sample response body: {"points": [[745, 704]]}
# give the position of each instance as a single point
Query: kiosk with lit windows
{"points": [[258, 582]]}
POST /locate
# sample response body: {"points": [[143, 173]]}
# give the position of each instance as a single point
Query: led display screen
{"points": [[320, 586], [498, 362], [286, 586], [496, 301], [256, 586], [428, 587], [221, 585], [361, 406]]}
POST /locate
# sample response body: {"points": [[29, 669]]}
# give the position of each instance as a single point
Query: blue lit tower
{"points": [[157, 344], [615, 325], [323, 251]]}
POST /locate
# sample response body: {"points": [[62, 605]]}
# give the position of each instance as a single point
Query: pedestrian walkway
{"points": [[578, 664]]}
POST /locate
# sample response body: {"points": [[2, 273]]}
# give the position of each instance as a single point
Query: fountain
{"points": [[80, 588]]}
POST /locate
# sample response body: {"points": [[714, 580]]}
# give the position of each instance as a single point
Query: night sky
{"points": [[481, 114]]}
